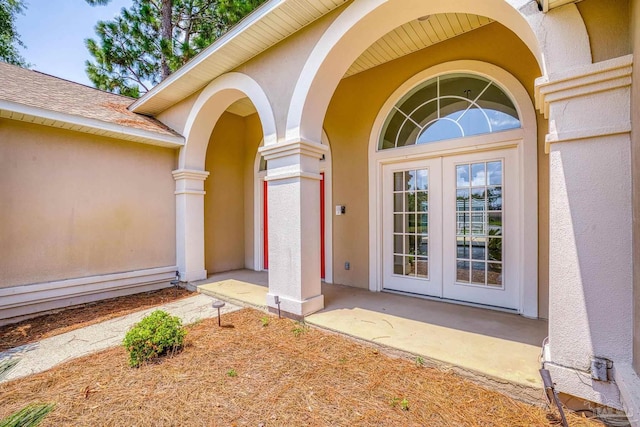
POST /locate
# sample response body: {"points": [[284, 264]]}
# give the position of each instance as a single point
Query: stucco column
{"points": [[590, 256], [190, 223], [293, 176]]}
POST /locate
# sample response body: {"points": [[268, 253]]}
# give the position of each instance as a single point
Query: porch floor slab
{"points": [[499, 346]]}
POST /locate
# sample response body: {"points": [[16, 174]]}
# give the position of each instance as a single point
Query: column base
{"points": [[192, 276], [295, 309], [579, 383], [629, 386]]}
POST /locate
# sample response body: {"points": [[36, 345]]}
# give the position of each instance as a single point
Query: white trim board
{"points": [[20, 302]]}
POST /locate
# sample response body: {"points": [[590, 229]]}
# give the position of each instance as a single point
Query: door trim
{"points": [[523, 139]]}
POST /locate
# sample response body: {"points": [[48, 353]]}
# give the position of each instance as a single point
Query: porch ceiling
{"points": [[404, 40], [242, 107], [416, 35]]}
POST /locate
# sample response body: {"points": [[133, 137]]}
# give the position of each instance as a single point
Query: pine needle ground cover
{"points": [[265, 371]]}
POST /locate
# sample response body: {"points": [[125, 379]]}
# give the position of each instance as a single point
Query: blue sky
{"points": [[54, 32]]}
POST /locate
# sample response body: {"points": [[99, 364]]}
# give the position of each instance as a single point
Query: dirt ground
{"points": [[57, 323], [281, 374]]}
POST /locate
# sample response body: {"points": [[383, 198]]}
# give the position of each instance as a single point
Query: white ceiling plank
{"points": [[474, 20], [455, 23], [410, 30], [397, 44], [432, 32], [464, 22], [442, 20], [421, 32], [413, 36], [484, 20], [368, 59]]}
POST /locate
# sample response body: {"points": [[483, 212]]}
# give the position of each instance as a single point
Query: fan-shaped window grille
{"points": [[447, 107]]}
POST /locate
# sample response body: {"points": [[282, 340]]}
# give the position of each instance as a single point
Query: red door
{"points": [[265, 237], [265, 226]]}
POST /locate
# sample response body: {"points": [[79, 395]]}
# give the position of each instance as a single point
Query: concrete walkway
{"points": [[43, 355], [502, 348]]}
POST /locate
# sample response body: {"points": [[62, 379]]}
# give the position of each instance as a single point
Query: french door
{"points": [[450, 228]]}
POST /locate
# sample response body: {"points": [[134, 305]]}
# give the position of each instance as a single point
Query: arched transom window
{"points": [[447, 107]]}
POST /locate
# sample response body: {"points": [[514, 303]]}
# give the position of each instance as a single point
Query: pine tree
{"points": [[153, 38], [9, 38]]}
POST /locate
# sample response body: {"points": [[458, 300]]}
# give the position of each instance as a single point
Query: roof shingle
{"points": [[39, 90]]}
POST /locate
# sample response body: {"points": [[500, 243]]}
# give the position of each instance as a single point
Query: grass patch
{"points": [[29, 416]]}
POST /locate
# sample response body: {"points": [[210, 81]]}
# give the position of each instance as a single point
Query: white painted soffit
{"points": [[270, 23], [40, 116], [416, 35]]}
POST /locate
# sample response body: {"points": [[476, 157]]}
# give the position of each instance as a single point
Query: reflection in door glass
{"points": [[479, 216], [411, 223]]}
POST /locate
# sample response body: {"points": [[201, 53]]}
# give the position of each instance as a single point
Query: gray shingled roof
{"points": [[39, 90]]}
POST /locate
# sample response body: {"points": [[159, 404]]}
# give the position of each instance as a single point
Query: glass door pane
{"points": [[481, 228], [479, 214], [412, 229], [411, 223]]}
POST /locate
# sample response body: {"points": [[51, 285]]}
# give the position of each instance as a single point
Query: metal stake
{"points": [[552, 396], [277, 301], [176, 283], [218, 305]]}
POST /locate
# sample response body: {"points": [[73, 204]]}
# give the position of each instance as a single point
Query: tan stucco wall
{"points": [[224, 199], [350, 118], [635, 170], [607, 24], [229, 191], [76, 205], [278, 68], [176, 116]]}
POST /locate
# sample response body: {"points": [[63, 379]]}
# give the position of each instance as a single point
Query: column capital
{"points": [[290, 148], [190, 181], [192, 174], [586, 103], [583, 81]]}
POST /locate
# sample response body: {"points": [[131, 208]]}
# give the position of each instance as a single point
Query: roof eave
{"points": [[9, 110], [247, 22]]}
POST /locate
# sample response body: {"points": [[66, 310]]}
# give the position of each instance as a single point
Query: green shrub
{"points": [[155, 335]]}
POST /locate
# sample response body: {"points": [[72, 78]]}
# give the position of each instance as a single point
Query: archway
{"points": [[212, 102], [362, 23], [205, 113]]}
